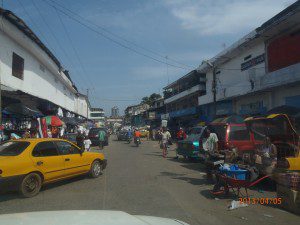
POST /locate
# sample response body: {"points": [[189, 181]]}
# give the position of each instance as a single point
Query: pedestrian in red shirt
{"points": [[181, 135]]}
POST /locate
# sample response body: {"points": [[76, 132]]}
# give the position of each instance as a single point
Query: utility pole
{"points": [[87, 105], [214, 90]]}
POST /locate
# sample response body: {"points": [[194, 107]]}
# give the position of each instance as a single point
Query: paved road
{"points": [[140, 181]]}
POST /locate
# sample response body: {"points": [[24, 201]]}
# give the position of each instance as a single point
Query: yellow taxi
{"points": [[27, 164], [144, 132]]}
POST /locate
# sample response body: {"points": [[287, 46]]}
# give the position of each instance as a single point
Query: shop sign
{"points": [[253, 62]]}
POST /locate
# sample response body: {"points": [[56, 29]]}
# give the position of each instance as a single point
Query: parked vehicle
{"points": [[144, 132], [235, 136], [189, 148], [80, 217], [280, 131], [122, 135], [94, 137], [27, 164]]}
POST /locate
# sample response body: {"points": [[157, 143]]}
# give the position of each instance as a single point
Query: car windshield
{"points": [[129, 108], [12, 148]]}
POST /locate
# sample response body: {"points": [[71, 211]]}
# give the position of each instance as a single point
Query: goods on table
{"points": [[234, 171]]}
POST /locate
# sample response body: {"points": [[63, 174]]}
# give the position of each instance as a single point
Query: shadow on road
{"points": [[194, 181], [6, 196]]}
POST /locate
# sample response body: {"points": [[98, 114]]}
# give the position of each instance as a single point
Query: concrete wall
{"points": [[231, 81], [41, 77]]}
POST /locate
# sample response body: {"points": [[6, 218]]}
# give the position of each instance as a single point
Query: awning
{"points": [[69, 120], [285, 109], [21, 110]]}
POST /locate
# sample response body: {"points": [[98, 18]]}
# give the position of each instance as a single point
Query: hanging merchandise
{"points": [[44, 127], [53, 121]]}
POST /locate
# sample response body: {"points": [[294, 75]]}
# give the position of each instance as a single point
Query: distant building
{"points": [[97, 115], [136, 114], [114, 112]]}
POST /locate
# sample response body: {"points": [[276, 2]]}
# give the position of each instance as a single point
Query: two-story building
{"points": [[259, 72], [30, 74], [181, 97]]}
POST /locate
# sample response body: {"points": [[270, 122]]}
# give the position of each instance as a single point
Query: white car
{"points": [[82, 217]]}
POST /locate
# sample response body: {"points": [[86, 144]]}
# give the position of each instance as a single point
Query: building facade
{"points": [[97, 114], [115, 112], [181, 97], [27, 66], [259, 72], [136, 115]]}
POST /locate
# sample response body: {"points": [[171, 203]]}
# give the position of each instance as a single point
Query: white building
{"points": [[257, 73], [27, 65], [97, 114]]}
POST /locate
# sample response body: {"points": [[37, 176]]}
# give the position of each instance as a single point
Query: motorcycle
{"points": [[137, 141], [129, 138]]}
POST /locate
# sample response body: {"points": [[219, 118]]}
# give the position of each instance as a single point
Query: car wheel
{"points": [[30, 185], [96, 169]]}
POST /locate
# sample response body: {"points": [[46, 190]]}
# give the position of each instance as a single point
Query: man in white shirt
{"points": [[87, 144]]}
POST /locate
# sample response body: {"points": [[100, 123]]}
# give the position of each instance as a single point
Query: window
{"points": [[96, 114], [65, 148], [247, 57], [46, 148], [239, 133], [12, 148], [17, 66]]}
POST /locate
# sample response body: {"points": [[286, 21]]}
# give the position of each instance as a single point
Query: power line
{"points": [[113, 40], [53, 35], [120, 37], [35, 25], [74, 49]]}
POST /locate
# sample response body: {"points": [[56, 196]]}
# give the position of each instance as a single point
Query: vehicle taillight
{"points": [[0, 171], [283, 163]]}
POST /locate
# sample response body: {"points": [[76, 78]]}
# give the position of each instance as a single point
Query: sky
{"points": [[123, 50]]}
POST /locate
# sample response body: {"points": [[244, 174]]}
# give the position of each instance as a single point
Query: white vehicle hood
{"points": [[83, 217]]}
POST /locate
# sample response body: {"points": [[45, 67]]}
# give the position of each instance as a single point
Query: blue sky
{"points": [[184, 30]]}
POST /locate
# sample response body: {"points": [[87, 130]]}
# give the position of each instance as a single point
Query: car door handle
{"points": [[39, 163], [67, 159]]}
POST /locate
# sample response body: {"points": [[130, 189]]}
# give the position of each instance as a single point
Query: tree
{"points": [[150, 100]]}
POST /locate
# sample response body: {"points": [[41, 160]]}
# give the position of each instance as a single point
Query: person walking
{"points": [[87, 144], [101, 136], [80, 139], [165, 138]]}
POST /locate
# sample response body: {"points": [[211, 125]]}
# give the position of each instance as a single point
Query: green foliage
{"points": [[150, 100]]}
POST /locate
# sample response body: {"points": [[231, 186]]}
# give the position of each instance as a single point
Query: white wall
{"points": [[279, 94], [231, 81], [49, 84]]}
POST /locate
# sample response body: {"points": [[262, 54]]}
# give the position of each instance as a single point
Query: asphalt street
{"points": [[140, 181]]}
